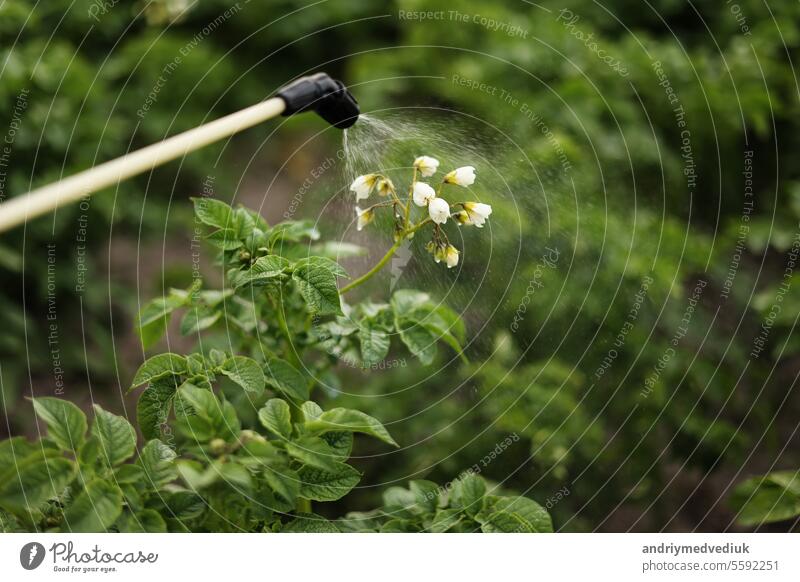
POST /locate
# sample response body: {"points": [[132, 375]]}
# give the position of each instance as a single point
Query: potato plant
{"points": [[767, 498], [465, 506], [232, 437]]}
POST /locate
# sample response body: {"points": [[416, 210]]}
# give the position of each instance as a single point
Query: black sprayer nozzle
{"points": [[328, 97]]}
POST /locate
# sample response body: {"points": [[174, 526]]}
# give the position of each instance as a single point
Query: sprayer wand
{"points": [[328, 97]]}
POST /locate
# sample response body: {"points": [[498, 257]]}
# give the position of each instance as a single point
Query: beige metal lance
{"points": [[46, 199], [328, 97]]}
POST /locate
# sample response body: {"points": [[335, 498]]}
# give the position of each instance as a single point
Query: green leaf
{"points": [[33, 481], [419, 341], [317, 283], [314, 452], [129, 473], [144, 521], [328, 263], [444, 520], [283, 481], [766, 499], [155, 315], [339, 419], [309, 523], [115, 434], [504, 522], [374, 343], [197, 318], [421, 323], [226, 239], [426, 494], [453, 322], [184, 504], [341, 443], [13, 450], [789, 480], [257, 451], [397, 499], [276, 417], [253, 217], [282, 376], [131, 496], [152, 410], [404, 301], [443, 323], [294, 231], [66, 423], [515, 515], [9, 524], [150, 333], [213, 212], [231, 474], [246, 372], [217, 357], [311, 410], [158, 462], [154, 406], [207, 418], [95, 508], [439, 321], [398, 526], [90, 456], [159, 367], [153, 319], [468, 493], [319, 485], [212, 297], [262, 270], [245, 222], [236, 476]]}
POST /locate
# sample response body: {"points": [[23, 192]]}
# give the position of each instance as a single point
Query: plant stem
{"points": [[290, 351], [368, 275], [417, 226], [410, 198], [304, 505]]}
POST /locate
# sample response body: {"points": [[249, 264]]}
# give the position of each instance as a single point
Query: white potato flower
{"points": [[364, 217], [439, 210], [474, 213], [363, 185], [423, 193], [451, 256], [384, 186], [426, 165], [447, 253], [464, 176]]}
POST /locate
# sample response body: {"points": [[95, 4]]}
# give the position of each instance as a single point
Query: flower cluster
{"points": [[423, 195]]}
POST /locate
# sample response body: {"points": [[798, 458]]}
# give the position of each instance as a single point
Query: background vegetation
{"points": [[649, 373]]}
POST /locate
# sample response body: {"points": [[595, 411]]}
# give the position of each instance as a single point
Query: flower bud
{"points": [[247, 436], [451, 256], [217, 446], [384, 186]]}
